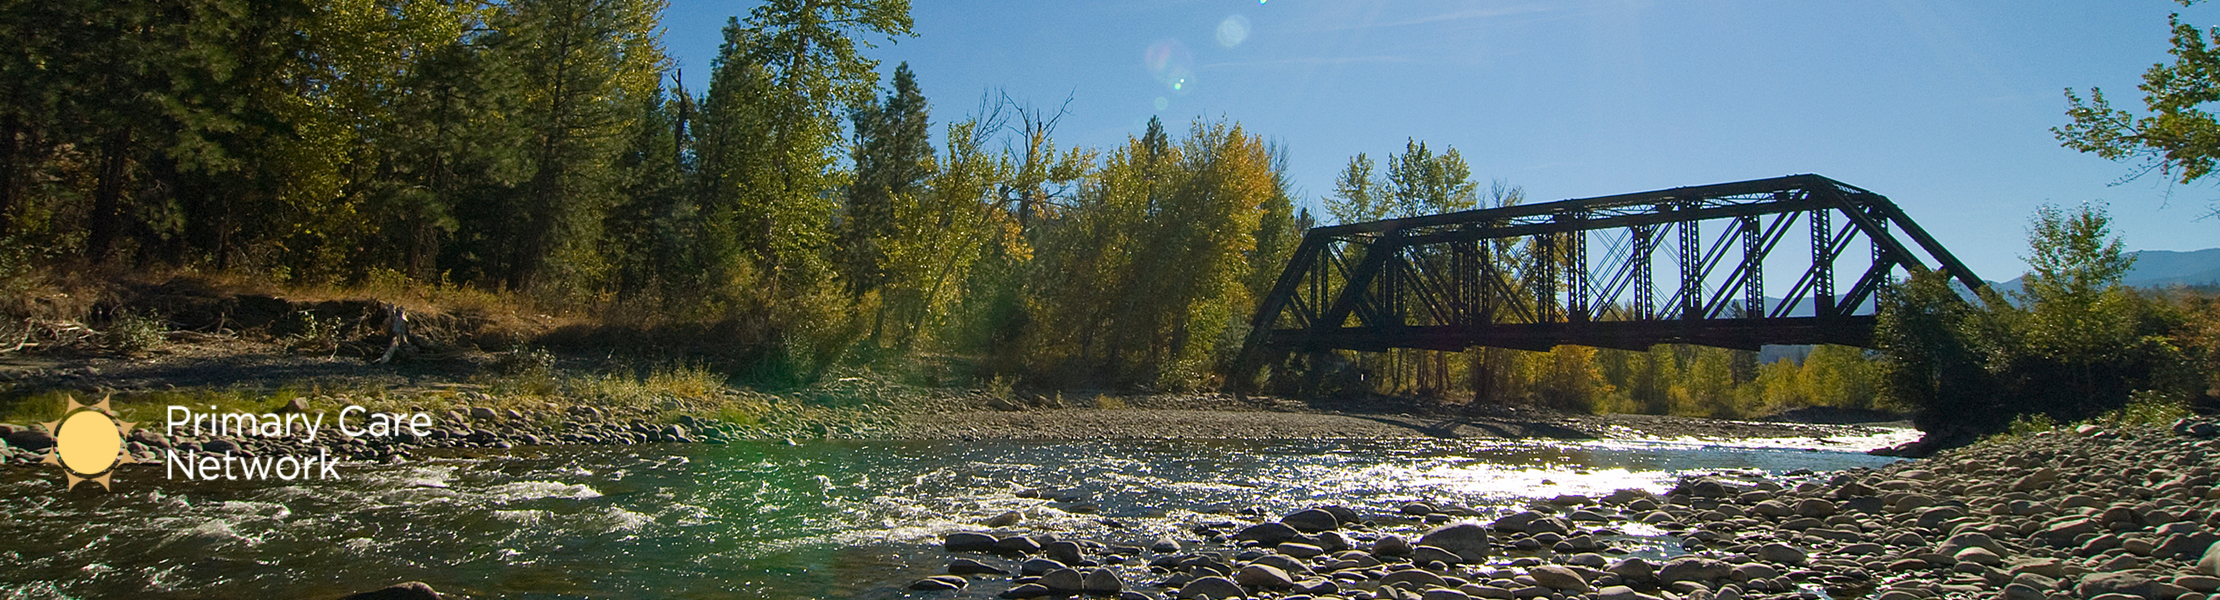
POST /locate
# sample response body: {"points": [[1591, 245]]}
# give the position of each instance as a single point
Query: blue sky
{"points": [[1944, 106]]}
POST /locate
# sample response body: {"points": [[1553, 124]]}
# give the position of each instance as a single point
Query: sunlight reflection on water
{"points": [[825, 519]]}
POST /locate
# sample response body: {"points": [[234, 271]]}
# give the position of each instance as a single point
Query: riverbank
{"points": [[527, 399], [463, 417], [2093, 513]]}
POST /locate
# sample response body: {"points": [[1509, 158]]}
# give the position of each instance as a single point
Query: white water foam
{"points": [[534, 490]]}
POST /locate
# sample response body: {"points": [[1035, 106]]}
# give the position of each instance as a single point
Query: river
{"points": [[756, 520]]}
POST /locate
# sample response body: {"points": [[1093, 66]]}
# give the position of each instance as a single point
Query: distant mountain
{"points": [[2155, 269]]}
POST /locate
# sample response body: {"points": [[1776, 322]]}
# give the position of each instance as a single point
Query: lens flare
{"points": [[1171, 63], [1233, 31], [1163, 103]]}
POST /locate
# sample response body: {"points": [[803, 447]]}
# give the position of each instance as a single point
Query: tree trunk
{"points": [[107, 214], [9, 148]]}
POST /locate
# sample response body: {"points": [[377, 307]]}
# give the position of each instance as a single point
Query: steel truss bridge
{"points": [[1684, 265]]}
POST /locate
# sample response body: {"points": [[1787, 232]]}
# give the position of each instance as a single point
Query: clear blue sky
{"points": [[1944, 106]]}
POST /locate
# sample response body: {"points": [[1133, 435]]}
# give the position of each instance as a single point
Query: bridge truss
{"points": [[1684, 265]]}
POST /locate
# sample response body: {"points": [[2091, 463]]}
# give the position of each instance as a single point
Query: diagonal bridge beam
{"points": [[1523, 277]]}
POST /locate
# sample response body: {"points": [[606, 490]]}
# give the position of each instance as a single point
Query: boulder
{"points": [[2098, 584], [1006, 519], [1444, 594], [1065, 551], [1416, 576], [1780, 553], [1978, 555], [1970, 539], [1263, 576], [412, 590], [1634, 569], [1284, 563], [1017, 544], [1560, 578], [1269, 533], [1486, 591], [1334, 541], [965, 566], [1064, 580], [1391, 545], [1815, 507], [1312, 521], [1040, 566], [31, 438], [1425, 554], [1468, 540], [2063, 532], [1692, 568], [1300, 550], [1165, 545], [1620, 592], [1750, 571], [938, 583], [965, 541], [1029, 590], [1518, 521], [2210, 564], [1213, 588], [1102, 581], [2199, 583]]}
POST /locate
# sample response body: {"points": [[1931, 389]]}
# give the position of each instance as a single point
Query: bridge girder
{"points": [[1528, 276]]}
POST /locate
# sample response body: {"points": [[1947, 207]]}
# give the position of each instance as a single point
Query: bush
{"points": [[134, 332], [2081, 345]]}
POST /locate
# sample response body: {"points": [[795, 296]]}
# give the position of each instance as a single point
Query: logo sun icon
{"points": [[88, 442]]}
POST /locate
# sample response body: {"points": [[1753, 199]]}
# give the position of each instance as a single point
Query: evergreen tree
{"points": [[579, 69], [893, 156]]}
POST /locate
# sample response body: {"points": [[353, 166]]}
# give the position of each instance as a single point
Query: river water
{"points": [[756, 520]]}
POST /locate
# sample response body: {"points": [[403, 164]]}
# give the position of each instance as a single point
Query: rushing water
{"points": [[823, 519]]}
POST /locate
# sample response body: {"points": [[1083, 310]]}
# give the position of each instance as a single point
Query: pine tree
{"points": [[893, 156]]}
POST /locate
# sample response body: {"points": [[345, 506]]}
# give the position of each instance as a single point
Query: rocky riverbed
{"points": [[2092, 513]]}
